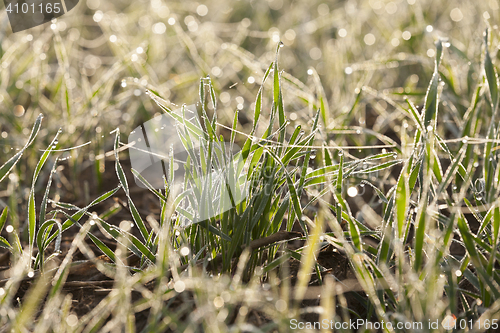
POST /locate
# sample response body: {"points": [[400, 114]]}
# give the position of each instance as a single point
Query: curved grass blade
{"points": [[31, 200], [3, 217], [123, 181], [7, 167], [73, 219], [431, 97], [4, 243]]}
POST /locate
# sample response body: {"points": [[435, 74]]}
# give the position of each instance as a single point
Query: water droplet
{"points": [[352, 191], [341, 152], [479, 185]]}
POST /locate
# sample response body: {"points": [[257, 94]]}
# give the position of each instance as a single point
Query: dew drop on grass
{"points": [[341, 152], [352, 191], [184, 251]]}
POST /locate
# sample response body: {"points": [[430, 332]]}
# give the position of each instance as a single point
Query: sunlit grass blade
{"points": [[323, 102], [491, 75], [123, 181], [431, 98], [7, 167], [80, 213], [31, 200], [402, 201], [3, 217]]}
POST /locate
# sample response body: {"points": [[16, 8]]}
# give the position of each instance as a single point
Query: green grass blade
{"points": [[3, 217], [491, 75], [402, 201], [5, 243], [7, 167], [431, 97], [31, 200], [123, 181]]}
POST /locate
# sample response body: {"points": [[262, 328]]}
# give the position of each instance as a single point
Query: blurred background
{"points": [[88, 70]]}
